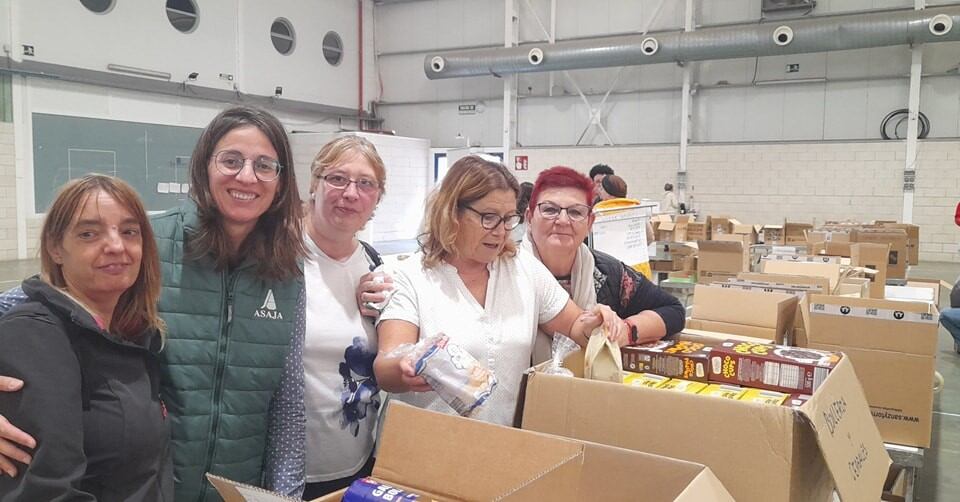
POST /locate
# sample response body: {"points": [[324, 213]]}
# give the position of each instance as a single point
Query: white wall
{"points": [[805, 182], [231, 37], [862, 85]]}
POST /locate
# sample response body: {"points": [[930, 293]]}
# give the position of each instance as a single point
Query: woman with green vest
{"points": [[233, 302]]}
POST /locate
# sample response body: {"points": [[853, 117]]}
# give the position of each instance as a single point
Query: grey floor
{"points": [[939, 480]]}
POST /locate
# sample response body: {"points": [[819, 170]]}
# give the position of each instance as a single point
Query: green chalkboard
{"points": [[153, 158]]}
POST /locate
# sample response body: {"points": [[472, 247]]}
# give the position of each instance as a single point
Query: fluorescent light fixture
{"points": [[133, 70], [791, 81]]}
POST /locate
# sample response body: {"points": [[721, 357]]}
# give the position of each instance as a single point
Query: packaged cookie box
{"points": [[771, 367], [670, 358]]}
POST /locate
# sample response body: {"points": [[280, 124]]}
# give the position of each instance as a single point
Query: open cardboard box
{"points": [[893, 347], [872, 256], [796, 233], [897, 239], [829, 270], [772, 235], [446, 457], [761, 453], [763, 315]]}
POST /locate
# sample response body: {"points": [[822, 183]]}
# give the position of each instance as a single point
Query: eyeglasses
{"points": [[551, 211], [341, 182], [230, 163], [490, 221]]}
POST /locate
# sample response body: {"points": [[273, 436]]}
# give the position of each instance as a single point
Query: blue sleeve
{"points": [[11, 298], [285, 463]]}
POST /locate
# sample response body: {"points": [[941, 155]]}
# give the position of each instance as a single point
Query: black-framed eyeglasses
{"points": [[230, 163], [490, 221], [341, 182], [551, 211]]}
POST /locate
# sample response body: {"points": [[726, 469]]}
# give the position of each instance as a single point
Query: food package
{"points": [[644, 380], [772, 367], [371, 490], [763, 396], [602, 360], [670, 358], [452, 372], [723, 390], [561, 347], [680, 385], [380, 277]]}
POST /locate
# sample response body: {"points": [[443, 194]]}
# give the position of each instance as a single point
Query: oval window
{"points": [[282, 36], [332, 48], [183, 15]]}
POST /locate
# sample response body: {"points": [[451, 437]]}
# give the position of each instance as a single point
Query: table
{"points": [[910, 458]]}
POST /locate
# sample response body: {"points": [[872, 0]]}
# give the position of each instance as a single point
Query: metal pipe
{"points": [[793, 36]]}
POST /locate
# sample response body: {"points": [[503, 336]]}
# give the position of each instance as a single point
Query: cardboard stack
{"points": [[892, 345], [773, 235]]}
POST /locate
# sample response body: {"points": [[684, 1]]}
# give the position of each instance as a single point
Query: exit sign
{"points": [[467, 109]]}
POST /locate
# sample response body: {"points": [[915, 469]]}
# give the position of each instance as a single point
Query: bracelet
{"points": [[634, 337]]}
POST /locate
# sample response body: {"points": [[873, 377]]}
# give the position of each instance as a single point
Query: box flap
{"points": [[667, 226], [848, 436], [234, 491], [788, 279]]}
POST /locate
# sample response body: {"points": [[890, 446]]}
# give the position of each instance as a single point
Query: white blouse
{"points": [[521, 295]]}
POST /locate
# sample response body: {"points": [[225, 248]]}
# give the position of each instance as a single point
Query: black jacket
{"points": [[90, 399], [628, 292]]}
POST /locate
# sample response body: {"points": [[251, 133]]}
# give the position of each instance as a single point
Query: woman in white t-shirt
{"points": [[470, 283], [341, 393]]}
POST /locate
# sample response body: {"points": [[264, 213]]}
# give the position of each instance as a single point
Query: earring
{"points": [[313, 196]]}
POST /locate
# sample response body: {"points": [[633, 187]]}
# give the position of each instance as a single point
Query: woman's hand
{"points": [[409, 378], [615, 328], [11, 438], [372, 289]]}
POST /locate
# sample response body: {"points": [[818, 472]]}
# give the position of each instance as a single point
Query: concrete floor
{"points": [[939, 479]]}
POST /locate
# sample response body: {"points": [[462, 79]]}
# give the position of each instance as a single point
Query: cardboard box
{"points": [[452, 458], [913, 240], [748, 233], [765, 310], [830, 248], [720, 225], [772, 367], [935, 284], [669, 358], [761, 453], [756, 332], [821, 283], [670, 231], [773, 235], [698, 231], [795, 233], [854, 287], [829, 270], [892, 346], [873, 257], [897, 239], [720, 260]]}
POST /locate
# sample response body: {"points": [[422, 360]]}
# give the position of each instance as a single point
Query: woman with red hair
{"points": [[560, 217]]}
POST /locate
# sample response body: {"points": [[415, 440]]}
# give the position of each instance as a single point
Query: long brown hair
{"points": [[469, 179], [275, 243], [136, 309]]}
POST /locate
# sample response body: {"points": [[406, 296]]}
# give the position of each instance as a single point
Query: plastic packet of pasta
{"points": [[561, 347], [452, 372]]}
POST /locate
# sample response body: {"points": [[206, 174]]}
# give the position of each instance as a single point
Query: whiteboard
{"points": [[622, 233]]}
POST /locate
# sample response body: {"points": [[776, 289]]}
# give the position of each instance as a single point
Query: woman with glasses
{"points": [[232, 300], [470, 283], [342, 398], [559, 219]]}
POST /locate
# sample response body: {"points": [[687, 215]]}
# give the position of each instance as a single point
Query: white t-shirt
{"points": [[341, 398], [521, 294]]}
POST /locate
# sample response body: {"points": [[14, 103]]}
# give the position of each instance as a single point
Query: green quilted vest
{"points": [[228, 334]]}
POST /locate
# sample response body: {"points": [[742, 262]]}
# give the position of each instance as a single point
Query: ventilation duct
{"points": [[823, 34]]}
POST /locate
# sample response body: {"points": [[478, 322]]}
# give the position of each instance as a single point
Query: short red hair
{"points": [[561, 177]]}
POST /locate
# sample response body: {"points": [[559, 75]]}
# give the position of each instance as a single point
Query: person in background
{"points": [[950, 318], [612, 187], [233, 302], [526, 188], [597, 173], [669, 204], [470, 283], [348, 180], [86, 341], [559, 218]]}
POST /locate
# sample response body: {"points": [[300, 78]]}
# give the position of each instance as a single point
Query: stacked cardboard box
{"points": [[720, 260], [762, 315]]}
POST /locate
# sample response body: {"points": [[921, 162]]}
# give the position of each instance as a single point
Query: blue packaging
{"points": [[371, 490]]}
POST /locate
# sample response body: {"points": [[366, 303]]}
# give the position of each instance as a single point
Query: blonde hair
{"points": [[469, 179], [340, 150], [136, 310]]}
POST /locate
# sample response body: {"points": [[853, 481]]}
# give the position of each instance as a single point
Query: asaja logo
{"points": [[269, 308]]}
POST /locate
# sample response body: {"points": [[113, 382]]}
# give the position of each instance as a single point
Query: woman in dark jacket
{"points": [[86, 342], [560, 217]]}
